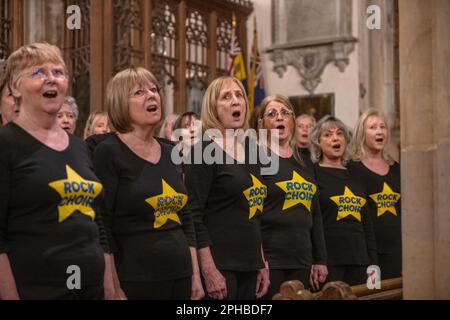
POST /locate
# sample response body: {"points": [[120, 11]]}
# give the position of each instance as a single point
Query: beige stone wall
{"points": [[425, 133], [344, 85]]}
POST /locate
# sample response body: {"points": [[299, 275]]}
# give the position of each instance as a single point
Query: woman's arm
{"points": [[197, 291], [107, 173], [263, 278], [8, 289], [319, 270], [215, 282]]}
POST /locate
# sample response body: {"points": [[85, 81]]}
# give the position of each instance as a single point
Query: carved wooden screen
{"points": [[128, 29], [197, 69], [183, 42], [223, 45], [163, 40], [11, 28], [77, 56], [5, 29]]}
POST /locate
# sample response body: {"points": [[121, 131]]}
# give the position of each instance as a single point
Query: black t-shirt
{"points": [[93, 141], [144, 209], [226, 201], [384, 205], [291, 224], [348, 229], [306, 158], [47, 210]]}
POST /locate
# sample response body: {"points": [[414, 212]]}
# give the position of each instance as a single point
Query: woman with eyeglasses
{"points": [[381, 176], [291, 225], [348, 229], [52, 243], [226, 197], [146, 218]]}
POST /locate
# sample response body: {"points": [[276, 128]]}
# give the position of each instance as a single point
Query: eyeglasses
{"points": [[44, 74], [138, 93], [273, 114], [302, 126]]}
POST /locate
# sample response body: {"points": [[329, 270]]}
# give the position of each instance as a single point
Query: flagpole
{"points": [[252, 73]]}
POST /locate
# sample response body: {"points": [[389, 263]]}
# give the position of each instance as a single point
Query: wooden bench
{"points": [[391, 289]]}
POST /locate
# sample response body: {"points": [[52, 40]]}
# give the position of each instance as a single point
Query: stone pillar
{"points": [[377, 66], [425, 133], [44, 20]]}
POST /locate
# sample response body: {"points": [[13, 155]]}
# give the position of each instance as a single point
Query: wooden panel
{"points": [[212, 48], [17, 24], [97, 54], [180, 88]]}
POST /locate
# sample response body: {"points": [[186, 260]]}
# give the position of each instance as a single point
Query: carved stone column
{"points": [[425, 132]]}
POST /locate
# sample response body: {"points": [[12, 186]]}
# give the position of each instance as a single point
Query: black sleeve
{"points": [[5, 185], [187, 221], [107, 173], [317, 236], [370, 235], [199, 178], [188, 226], [102, 231]]}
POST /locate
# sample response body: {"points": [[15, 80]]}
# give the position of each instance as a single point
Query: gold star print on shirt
{"points": [[166, 205], [76, 194], [348, 205], [298, 190], [386, 200], [255, 196]]}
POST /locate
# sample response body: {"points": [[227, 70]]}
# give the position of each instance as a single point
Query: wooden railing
{"points": [[391, 289]]}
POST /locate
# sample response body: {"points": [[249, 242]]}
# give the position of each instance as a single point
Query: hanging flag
{"points": [[256, 91], [236, 64]]}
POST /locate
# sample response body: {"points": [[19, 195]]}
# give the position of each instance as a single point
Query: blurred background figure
{"points": [[189, 123], [68, 114], [8, 109], [167, 126], [97, 123], [305, 123]]}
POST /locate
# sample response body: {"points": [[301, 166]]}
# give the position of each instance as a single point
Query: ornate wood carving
{"points": [[128, 29], [163, 41], [5, 30], [196, 46], [223, 44]]}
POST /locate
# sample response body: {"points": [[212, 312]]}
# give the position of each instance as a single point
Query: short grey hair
{"points": [[71, 102], [321, 126]]}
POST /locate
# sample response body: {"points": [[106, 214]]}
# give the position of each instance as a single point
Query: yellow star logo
{"points": [[255, 196], [349, 205], [298, 190], [76, 194], [386, 200], [166, 205]]}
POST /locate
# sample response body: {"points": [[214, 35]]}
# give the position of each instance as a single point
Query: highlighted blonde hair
{"points": [[209, 116], [358, 146], [92, 122], [118, 92], [31, 55]]}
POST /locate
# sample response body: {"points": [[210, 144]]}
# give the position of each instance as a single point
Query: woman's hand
{"points": [[318, 275], [262, 281], [197, 292], [215, 283]]}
